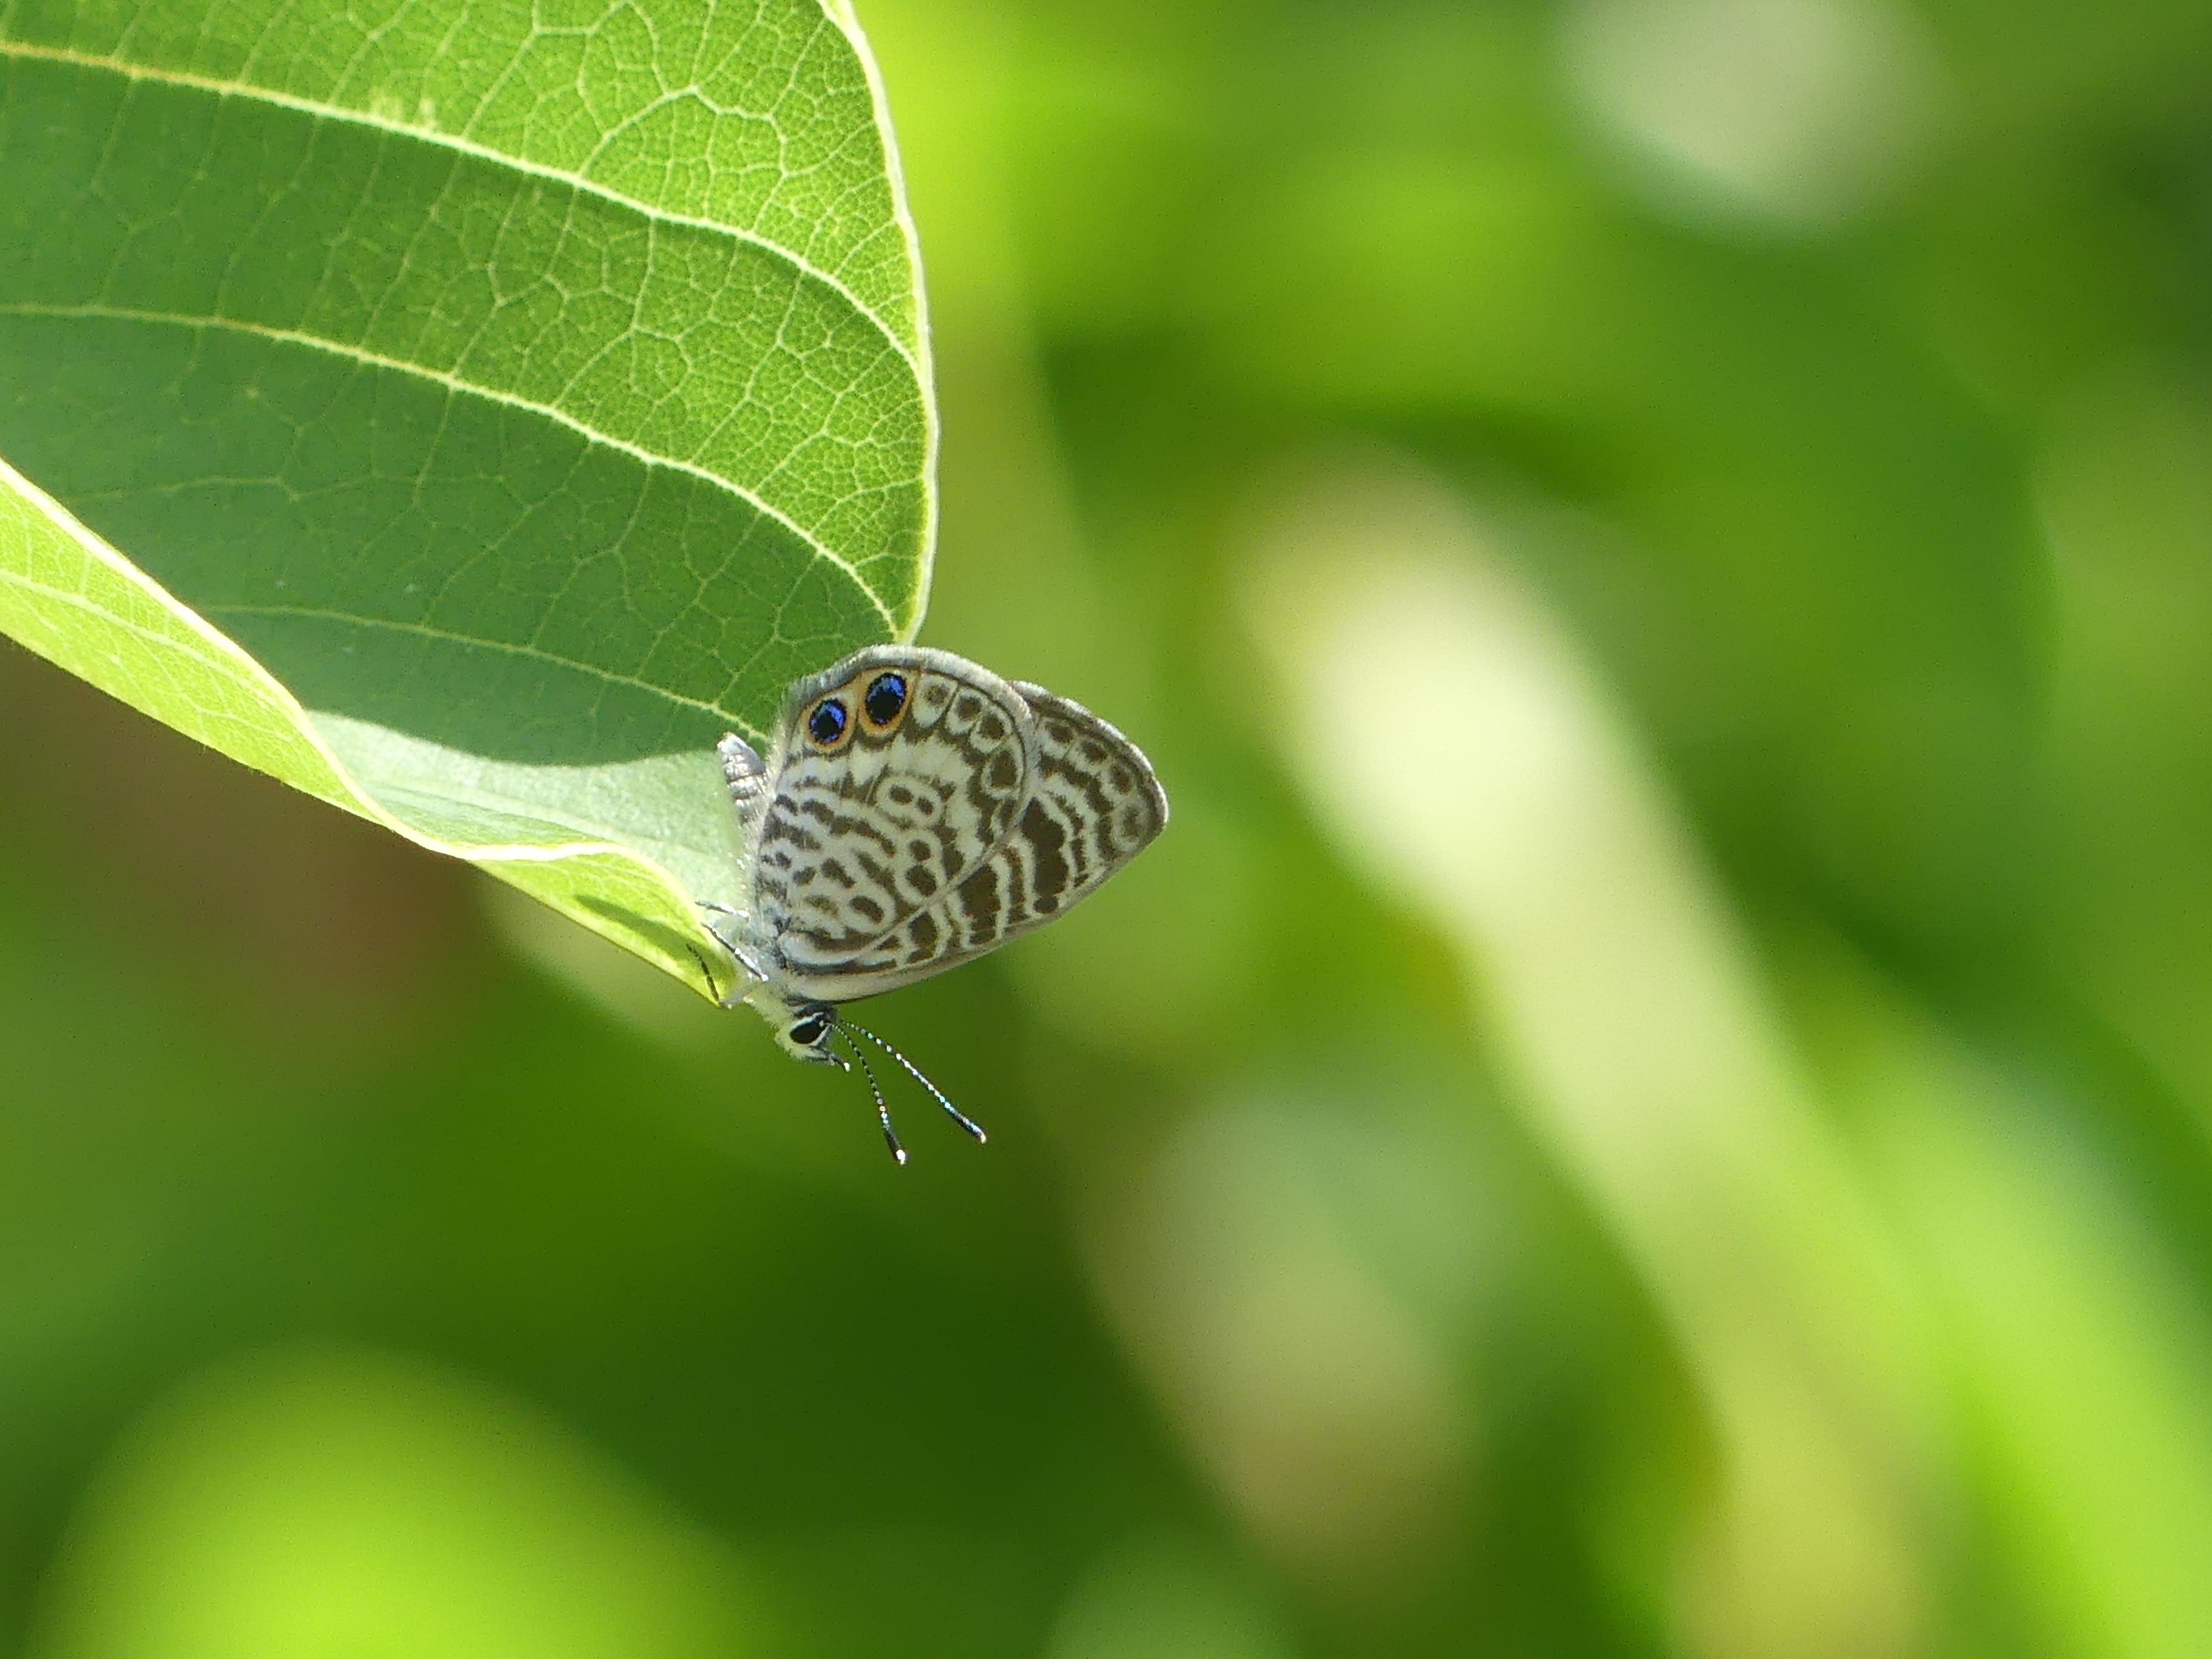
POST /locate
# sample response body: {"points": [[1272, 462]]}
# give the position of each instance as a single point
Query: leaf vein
{"points": [[508, 647], [480, 151], [466, 388]]}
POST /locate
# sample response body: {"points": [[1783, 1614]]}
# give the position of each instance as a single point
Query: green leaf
{"points": [[464, 410]]}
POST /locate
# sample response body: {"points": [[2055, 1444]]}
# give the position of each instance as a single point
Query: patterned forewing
{"points": [[861, 841], [1093, 805]]}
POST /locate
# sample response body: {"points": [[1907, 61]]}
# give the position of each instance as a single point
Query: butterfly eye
{"points": [[809, 1031], [886, 697], [826, 723]]}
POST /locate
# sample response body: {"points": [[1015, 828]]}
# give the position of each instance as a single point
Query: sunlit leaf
{"points": [[464, 411]]}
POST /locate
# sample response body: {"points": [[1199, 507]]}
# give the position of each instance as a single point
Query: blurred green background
{"points": [[1654, 1099]]}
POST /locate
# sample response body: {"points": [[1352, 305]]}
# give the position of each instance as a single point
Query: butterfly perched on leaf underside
{"points": [[914, 812]]}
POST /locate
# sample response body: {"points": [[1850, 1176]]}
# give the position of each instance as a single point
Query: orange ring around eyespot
{"points": [[845, 723], [906, 700]]}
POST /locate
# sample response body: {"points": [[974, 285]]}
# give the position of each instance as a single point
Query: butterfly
{"points": [[914, 812]]}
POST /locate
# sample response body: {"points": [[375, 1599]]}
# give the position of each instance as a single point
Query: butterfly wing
{"points": [[747, 774], [1093, 804], [866, 827]]}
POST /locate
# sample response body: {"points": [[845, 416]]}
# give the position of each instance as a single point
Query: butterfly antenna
{"points": [[882, 1107], [916, 1073]]}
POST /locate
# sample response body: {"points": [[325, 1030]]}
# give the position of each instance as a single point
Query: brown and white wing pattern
{"points": [[895, 775], [1093, 805]]}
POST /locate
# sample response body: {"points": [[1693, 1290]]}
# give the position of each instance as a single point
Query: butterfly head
{"points": [[803, 1029]]}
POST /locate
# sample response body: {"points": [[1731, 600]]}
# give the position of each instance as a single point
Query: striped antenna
{"points": [[883, 1108], [915, 1072]]}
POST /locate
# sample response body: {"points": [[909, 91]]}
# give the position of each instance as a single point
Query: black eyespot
{"points": [[812, 1030], [886, 697], [826, 723]]}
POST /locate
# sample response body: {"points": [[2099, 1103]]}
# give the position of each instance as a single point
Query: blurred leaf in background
{"points": [[1653, 1101], [331, 1502]]}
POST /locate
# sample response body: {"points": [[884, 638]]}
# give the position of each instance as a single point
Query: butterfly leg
{"points": [[737, 951], [712, 989]]}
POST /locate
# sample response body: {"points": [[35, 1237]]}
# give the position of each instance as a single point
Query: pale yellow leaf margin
{"points": [[67, 595]]}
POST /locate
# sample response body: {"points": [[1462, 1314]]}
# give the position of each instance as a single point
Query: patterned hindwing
{"points": [[895, 774], [1094, 805]]}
